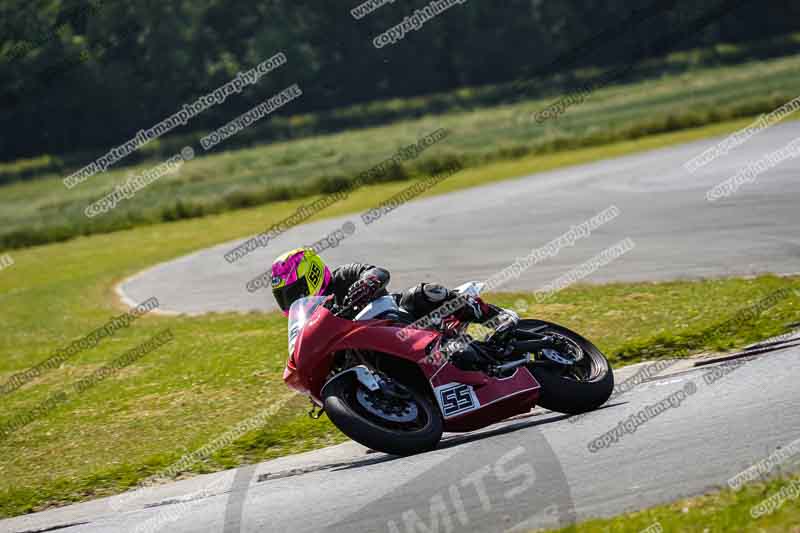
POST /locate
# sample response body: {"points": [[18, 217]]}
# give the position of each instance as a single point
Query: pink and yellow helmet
{"points": [[296, 274]]}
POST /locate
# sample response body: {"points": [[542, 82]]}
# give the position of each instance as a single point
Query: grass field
{"points": [[725, 511], [222, 368], [44, 211]]}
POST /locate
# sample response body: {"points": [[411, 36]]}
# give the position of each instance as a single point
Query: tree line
{"points": [[81, 76]]}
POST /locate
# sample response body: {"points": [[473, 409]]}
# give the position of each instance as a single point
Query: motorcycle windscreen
{"points": [[299, 313]]}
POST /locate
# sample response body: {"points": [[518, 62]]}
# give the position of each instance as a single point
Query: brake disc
{"points": [[378, 405], [563, 359]]}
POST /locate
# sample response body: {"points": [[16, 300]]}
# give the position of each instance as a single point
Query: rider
{"points": [[302, 272]]}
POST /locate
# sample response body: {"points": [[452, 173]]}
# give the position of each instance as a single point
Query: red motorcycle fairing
{"points": [[467, 400], [472, 400], [325, 334]]}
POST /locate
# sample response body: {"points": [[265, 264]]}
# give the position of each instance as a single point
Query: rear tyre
{"points": [[574, 389], [358, 414]]}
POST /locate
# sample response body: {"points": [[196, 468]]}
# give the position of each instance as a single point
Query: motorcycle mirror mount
{"points": [[471, 288]]}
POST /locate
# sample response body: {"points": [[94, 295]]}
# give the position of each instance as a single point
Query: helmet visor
{"points": [[289, 294]]}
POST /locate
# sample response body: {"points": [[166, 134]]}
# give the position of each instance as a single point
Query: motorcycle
{"points": [[388, 383]]}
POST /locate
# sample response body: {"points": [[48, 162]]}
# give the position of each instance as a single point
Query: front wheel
{"points": [[575, 379], [390, 424]]}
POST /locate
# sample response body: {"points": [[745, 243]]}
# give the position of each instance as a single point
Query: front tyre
{"points": [[571, 389], [387, 424]]}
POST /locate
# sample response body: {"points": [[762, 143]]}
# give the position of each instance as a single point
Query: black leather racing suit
{"points": [[345, 276], [418, 301]]}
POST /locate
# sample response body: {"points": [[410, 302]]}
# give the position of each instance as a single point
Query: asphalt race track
{"points": [[477, 232], [526, 473]]}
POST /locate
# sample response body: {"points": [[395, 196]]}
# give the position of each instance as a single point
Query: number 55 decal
{"points": [[456, 398]]}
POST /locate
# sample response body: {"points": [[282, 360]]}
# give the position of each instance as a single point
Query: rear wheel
{"points": [[397, 424], [575, 376]]}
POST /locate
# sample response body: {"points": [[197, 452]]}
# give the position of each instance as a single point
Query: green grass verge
{"points": [[223, 368], [725, 511], [43, 210]]}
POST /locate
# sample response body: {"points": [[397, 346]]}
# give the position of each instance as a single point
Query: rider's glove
{"points": [[474, 309], [504, 323], [363, 291]]}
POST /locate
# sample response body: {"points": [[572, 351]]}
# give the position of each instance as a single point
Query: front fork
{"points": [[370, 379]]}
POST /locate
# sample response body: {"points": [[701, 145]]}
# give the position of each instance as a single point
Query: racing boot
{"points": [[504, 322], [465, 355]]}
